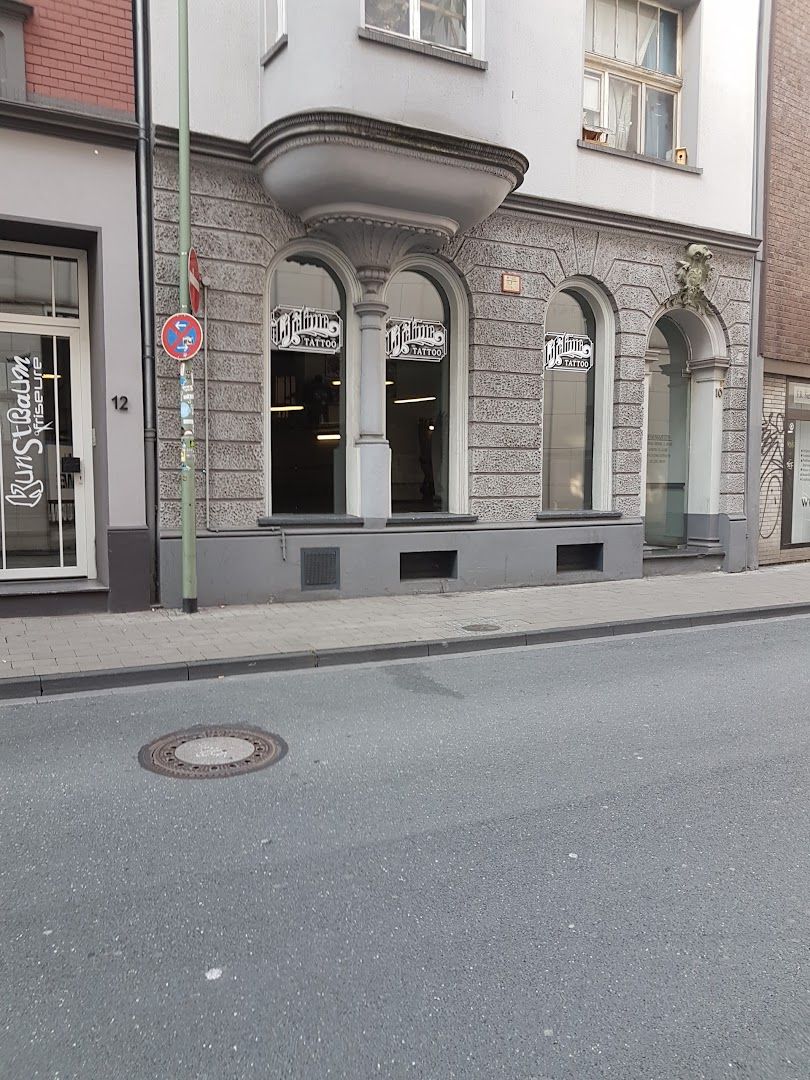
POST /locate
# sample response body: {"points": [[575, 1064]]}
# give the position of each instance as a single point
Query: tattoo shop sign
{"points": [[306, 329], [26, 418], [568, 352], [415, 339]]}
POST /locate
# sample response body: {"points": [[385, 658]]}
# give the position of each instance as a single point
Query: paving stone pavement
{"points": [[70, 643]]}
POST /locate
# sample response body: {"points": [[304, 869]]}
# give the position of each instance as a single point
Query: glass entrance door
{"points": [[43, 526], [667, 438]]}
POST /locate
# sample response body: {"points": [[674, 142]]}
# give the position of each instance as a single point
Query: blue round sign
{"points": [[181, 336]]}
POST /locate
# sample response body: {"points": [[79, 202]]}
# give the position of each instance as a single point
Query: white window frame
{"points": [[605, 66], [475, 28], [78, 331], [281, 15]]}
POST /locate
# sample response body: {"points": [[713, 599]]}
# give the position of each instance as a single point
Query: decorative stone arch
{"points": [[707, 362], [344, 271], [604, 312], [455, 291]]}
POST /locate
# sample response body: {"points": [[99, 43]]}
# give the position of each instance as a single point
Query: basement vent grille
{"points": [[320, 568]]}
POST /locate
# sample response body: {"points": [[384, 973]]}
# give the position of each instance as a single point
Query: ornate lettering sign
{"points": [[414, 339], [568, 352], [26, 417], [306, 330]]}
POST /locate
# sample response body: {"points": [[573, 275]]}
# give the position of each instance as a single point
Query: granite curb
{"points": [[29, 686]]}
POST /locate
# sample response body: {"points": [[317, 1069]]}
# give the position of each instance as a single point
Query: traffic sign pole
{"points": [[188, 500]]}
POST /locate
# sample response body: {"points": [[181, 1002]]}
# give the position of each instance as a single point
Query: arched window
{"points": [[306, 396], [569, 391], [418, 349]]}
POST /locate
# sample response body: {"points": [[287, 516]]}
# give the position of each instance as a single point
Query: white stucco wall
{"points": [[528, 98]]}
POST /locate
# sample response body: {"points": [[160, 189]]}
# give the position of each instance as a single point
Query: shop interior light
{"points": [[328, 438], [335, 382], [389, 382], [431, 427], [412, 400], [286, 408]]}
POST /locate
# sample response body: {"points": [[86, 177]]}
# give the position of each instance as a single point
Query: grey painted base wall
{"points": [[250, 567]]}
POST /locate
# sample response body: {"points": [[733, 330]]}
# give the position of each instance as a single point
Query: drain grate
{"points": [[208, 753]]}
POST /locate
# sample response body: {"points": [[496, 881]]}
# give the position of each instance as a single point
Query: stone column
{"points": [[705, 451], [373, 451]]}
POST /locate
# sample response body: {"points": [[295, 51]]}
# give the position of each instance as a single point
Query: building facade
{"points": [[478, 291], [73, 532], [784, 340]]}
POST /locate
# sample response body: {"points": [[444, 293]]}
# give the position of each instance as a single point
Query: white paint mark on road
{"points": [[213, 973], [572, 855]]}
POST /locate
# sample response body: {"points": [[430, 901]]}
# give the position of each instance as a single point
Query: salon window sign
{"points": [[415, 339], [305, 329], [26, 419], [568, 352]]}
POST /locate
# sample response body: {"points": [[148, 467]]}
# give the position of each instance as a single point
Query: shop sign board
{"points": [[306, 329], [415, 339], [568, 352]]}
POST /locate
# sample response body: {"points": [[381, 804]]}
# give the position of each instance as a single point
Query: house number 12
{"points": [[121, 403]]}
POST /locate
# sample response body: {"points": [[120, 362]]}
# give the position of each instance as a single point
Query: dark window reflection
{"points": [[307, 419], [417, 404]]}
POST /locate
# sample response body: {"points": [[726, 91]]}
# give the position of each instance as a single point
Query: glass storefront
{"points": [[44, 460], [796, 498], [667, 437], [307, 399], [417, 394], [568, 403]]}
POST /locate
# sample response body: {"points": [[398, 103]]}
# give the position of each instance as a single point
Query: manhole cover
{"points": [[481, 628], [206, 753]]}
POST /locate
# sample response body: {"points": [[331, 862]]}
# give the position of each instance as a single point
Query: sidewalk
{"points": [[53, 655]]}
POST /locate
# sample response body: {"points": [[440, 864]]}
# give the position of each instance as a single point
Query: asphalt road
{"points": [[565, 863]]}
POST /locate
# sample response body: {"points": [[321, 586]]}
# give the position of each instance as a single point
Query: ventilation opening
{"points": [[424, 565], [571, 557], [320, 568]]}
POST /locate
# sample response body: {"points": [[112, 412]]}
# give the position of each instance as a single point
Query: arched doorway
{"points": [[667, 442]]}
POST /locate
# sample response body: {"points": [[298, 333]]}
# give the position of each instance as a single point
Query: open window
{"points": [[632, 82]]}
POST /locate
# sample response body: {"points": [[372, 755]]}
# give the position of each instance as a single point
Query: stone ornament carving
{"points": [[693, 275]]}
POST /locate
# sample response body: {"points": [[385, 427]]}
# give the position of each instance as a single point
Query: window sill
{"points": [[274, 50], [600, 148], [382, 37]]}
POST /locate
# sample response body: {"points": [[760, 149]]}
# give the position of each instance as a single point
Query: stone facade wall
{"points": [[637, 273], [772, 470], [237, 231]]}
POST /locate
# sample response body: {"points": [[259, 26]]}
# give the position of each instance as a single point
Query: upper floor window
{"points": [[632, 76], [275, 22], [438, 22]]}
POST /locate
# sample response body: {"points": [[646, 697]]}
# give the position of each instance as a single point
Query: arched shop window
{"points": [[307, 397], [667, 460], [418, 393], [569, 388]]}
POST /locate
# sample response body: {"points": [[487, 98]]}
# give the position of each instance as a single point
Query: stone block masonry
{"points": [[237, 232]]}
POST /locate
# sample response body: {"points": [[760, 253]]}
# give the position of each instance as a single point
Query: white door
{"points": [[45, 453]]}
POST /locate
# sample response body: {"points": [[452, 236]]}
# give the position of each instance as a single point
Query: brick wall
{"points": [[786, 328], [81, 51]]}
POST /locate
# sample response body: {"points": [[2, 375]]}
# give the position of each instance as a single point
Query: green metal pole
{"points": [[188, 498]]}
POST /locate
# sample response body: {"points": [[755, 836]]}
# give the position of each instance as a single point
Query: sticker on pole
{"points": [[194, 282], [181, 336]]}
